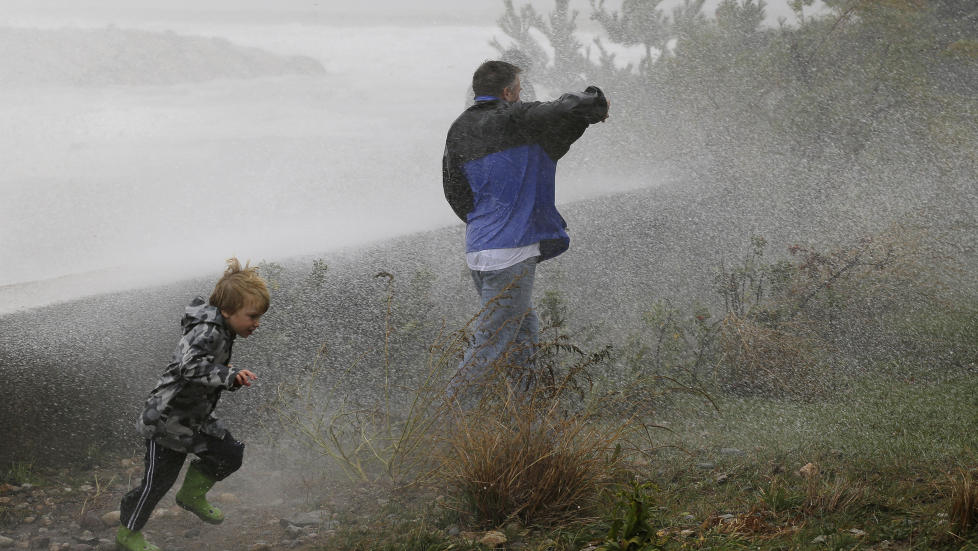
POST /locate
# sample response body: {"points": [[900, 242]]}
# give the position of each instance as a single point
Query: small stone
{"points": [[810, 470], [819, 539], [90, 521], [29, 520], [86, 488], [857, 532], [493, 538], [722, 479], [293, 532], [5, 542], [311, 518], [111, 518], [706, 466]]}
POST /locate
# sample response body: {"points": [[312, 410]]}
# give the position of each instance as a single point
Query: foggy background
{"points": [[113, 181]]}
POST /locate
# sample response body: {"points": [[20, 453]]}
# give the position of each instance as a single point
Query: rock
{"points": [[111, 518], [312, 518], [86, 488], [90, 521], [493, 538], [857, 532], [293, 532], [819, 539], [810, 470], [87, 538], [6, 542], [722, 479], [453, 531], [40, 542], [29, 520], [706, 466]]}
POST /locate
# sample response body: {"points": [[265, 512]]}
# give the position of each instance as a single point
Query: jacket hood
{"points": [[199, 311]]}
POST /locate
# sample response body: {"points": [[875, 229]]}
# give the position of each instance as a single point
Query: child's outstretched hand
{"points": [[244, 378]]}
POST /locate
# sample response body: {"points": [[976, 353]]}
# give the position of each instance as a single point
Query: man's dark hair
{"points": [[492, 77]]}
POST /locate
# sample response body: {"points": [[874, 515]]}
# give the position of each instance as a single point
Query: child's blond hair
{"points": [[239, 286]]}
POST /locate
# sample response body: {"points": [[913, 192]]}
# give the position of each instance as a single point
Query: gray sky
{"points": [[316, 11]]}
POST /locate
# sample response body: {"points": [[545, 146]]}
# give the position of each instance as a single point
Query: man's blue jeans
{"points": [[506, 326]]}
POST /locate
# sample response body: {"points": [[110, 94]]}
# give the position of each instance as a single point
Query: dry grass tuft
{"points": [[764, 360], [964, 502], [528, 444]]}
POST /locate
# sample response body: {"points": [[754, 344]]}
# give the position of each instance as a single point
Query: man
{"points": [[516, 57], [498, 172]]}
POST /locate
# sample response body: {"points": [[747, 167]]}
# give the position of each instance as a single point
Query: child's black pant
{"points": [[222, 457]]}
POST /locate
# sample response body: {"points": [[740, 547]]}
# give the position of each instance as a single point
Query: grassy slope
{"points": [[887, 452]]}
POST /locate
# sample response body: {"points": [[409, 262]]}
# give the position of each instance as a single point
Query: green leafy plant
{"points": [[630, 528]]}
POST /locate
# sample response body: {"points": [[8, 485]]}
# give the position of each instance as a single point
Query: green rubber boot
{"points": [[191, 496], [127, 540]]}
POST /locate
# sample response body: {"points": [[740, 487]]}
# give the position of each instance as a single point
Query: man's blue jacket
{"points": [[499, 166]]}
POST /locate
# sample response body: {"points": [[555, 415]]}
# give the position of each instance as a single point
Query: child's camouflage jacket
{"points": [[182, 404]]}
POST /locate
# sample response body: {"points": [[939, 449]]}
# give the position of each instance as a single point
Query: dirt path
{"points": [[265, 510]]}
